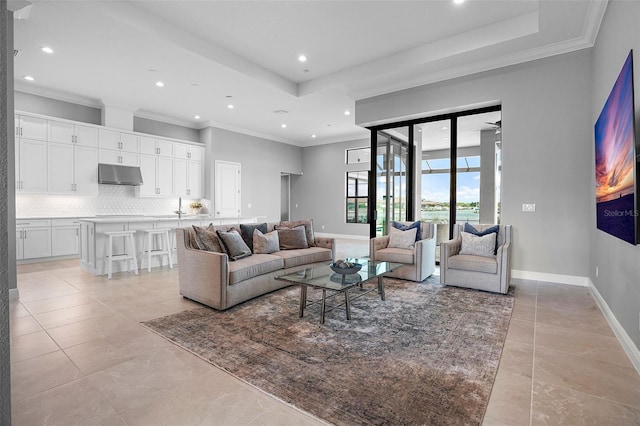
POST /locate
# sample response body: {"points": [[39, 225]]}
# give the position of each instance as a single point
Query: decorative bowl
{"points": [[345, 271]]}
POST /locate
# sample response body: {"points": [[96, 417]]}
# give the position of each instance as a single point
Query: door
{"points": [[165, 176], [227, 189], [285, 197], [195, 179], [60, 131], [86, 170], [33, 128], [64, 240], [128, 142], [33, 165], [86, 136], [19, 244], [180, 177], [37, 242], [148, 168], [60, 168]]}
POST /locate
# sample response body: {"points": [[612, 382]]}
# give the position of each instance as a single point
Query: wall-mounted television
{"points": [[616, 168]]}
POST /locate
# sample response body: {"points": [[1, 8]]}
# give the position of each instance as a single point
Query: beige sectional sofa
{"points": [[212, 279]]}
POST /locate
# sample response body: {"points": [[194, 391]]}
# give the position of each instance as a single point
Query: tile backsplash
{"points": [[111, 200]]}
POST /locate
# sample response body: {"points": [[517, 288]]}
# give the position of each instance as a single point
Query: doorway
{"points": [[285, 197]]}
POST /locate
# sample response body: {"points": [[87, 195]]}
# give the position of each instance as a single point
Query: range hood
{"points": [[112, 174]]}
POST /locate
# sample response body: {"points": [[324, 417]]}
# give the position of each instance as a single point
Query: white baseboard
{"points": [[627, 344], [344, 236], [13, 294], [551, 278]]}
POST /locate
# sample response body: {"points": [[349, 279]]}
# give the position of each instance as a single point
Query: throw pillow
{"points": [[246, 230], [402, 239], [496, 228], [234, 244], [308, 229], [292, 238], [478, 246], [404, 227], [265, 243], [207, 239]]}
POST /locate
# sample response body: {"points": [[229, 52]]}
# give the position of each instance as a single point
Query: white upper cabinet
{"points": [[31, 173], [72, 169], [118, 141], [31, 127], [157, 176], [63, 132], [153, 146], [188, 152]]}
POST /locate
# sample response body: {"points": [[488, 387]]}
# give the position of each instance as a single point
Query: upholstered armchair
{"points": [[419, 261], [489, 273]]}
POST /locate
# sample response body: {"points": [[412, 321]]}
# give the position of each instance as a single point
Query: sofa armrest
{"points": [[376, 244], [203, 275], [425, 257], [329, 243], [504, 265], [448, 249]]}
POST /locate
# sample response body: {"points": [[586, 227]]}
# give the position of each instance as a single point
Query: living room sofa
{"points": [[214, 280]]}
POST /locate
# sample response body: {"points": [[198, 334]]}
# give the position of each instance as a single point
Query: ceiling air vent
{"points": [[280, 111]]}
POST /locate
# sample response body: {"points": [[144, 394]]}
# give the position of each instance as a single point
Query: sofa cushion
{"points": [[397, 255], [206, 239], [265, 243], [246, 230], [401, 226], [292, 238], [478, 246], [233, 244], [304, 256], [467, 262], [252, 266], [402, 239], [308, 229]]}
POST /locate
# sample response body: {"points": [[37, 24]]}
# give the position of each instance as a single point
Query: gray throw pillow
{"points": [[402, 239], [234, 244], [308, 229], [265, 243], [246, 230], [292, 238], [207, 239], [478, 246]]}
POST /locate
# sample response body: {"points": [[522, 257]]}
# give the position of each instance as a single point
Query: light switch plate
{"points": [[529, 208]]}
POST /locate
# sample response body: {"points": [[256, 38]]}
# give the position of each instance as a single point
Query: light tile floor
{"points": [[80, 357]]}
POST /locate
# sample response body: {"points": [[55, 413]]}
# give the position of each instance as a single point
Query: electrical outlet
{"points": [[249, 205], [529, 208], [596, 272]]}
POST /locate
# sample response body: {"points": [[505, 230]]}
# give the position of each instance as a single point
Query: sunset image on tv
{"points": [[615, 159]]}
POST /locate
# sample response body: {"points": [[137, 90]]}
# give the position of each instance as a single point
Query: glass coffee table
{"points": [[322, 277]]}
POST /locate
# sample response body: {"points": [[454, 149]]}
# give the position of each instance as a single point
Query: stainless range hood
{"points": [[112, 174]]}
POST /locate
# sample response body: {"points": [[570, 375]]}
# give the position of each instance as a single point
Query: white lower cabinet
{"points": [[33, 239], [65, 237]]}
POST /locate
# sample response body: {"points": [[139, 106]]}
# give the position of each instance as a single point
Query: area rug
{"points": [[428, 355]]}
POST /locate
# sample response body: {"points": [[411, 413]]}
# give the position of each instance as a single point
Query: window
{"points": [[358, 155], [357, 196]]}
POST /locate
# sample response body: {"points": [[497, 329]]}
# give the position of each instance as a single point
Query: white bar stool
{"points": [[109, 257], [165, 249]]}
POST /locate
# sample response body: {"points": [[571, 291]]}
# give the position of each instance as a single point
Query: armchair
{"points": [[478, 272], [420, 262]]}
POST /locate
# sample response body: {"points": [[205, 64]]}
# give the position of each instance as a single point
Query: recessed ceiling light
{"points": [[347, 112], [458, 1], [28, 78], [197, 117], [284, 126], [47, 49], [313, 136], [230, 106], [302, 58], [444, 127], [420, 130], [159, 84]]}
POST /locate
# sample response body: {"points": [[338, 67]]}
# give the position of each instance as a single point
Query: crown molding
{"points": [[57, 95]]}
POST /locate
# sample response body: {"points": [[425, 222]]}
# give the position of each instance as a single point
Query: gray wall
{"points": [[6, 136], [262, 162], [167, 130], [55, 108], [618, 262], [547, 150], [320, 192]]}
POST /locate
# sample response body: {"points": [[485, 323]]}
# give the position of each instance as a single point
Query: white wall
{"points": [[618, 262], [547, 146], [56, 108]]}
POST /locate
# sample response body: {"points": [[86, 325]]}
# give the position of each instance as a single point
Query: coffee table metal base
{"points": [[347, 298]]}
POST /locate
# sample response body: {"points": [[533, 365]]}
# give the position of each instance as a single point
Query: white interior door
{"points": [[227, 189]]}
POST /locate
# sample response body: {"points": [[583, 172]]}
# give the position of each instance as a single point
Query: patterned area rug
{"points": [[427, 355]]}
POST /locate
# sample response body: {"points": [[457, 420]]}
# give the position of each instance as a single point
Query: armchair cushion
{"points": [[478, 246], [467, 262], [403, 227], [494, 229], [402, 239], [396, 255]]}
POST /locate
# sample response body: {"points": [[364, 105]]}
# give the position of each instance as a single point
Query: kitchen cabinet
{"points": [[33, 239], [188, 171], [64, 132], [157, 176], [72, 169], [153, 146], [65, 239], [117, 147], [29, 127], [31, 165]]}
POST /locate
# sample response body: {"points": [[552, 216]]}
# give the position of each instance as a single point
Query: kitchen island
{"points": [[92, 238]]}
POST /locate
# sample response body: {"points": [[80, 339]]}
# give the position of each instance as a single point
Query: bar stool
{"points": [[109, 257], [165, 246]]}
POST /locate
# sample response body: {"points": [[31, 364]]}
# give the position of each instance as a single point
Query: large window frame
{"points": [[357, 191]]}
